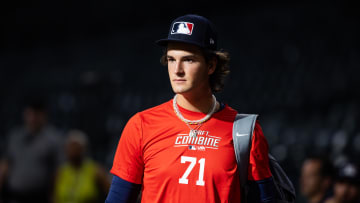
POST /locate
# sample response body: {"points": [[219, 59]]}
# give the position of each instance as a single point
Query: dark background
{"points": [[296, 64]]}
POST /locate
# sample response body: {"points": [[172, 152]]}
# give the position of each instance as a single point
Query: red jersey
{"points": [[155, 150]]}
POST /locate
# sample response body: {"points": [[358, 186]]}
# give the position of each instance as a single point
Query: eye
{"points": [[169, 60], [189, 60]]}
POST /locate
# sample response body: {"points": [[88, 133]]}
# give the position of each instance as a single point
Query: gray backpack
{"points": [[244, 125]]}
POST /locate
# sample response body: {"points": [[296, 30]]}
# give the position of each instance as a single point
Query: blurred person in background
{"points": [[347, 185], [33, 153], [3, 175], [316, 179], [80, 179]]}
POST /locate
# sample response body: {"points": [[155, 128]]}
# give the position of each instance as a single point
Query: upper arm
{"points": [[128, 162], [259, 161]]}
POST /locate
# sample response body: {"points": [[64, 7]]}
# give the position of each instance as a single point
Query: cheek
{"points": [[169, 67], [195, 77], [199, 72], [170, 70]]}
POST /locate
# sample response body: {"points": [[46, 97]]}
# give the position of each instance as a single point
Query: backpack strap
{"points": [[243, 128]]}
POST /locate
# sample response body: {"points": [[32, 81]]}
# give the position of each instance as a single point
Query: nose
{"points": [[179, 70]]}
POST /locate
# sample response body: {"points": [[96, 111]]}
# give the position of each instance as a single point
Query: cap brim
{"points": [[164, 42]]}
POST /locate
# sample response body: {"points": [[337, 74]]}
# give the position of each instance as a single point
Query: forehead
{"points": [[173, 47]]}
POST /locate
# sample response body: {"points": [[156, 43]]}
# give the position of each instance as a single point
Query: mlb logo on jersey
{"points": [[182, 28]]}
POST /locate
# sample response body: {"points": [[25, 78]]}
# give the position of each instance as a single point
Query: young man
{"points": [[182, 150]]}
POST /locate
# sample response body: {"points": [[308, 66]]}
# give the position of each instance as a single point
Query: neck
{"points": [[197, 103], [76, 163]]}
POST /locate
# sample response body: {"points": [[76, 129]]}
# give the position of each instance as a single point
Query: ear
{"points": [[212, 65]]}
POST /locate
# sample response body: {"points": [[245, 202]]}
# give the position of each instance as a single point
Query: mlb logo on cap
{"points": [[182, 28], [192, 29]]}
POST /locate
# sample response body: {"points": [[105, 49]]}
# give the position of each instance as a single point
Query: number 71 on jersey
{"points": [[192, 160]]}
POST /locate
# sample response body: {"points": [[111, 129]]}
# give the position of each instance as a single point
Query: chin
{"points": [[180, 90]]}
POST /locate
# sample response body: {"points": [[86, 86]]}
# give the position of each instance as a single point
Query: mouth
{"points": [[179, 80]]}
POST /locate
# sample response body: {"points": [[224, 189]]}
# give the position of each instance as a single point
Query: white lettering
{"points": [[216, 142], [185, 140], [204, 141], [210, 141], [201, 140], [177, 140]]}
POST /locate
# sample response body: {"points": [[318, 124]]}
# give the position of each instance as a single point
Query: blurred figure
{"points": [[3, 175], [80, 179], [33, 153], [347, 185], [316, 179]]}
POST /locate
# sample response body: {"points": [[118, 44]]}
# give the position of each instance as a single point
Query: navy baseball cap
{"points": [[192, 29]]}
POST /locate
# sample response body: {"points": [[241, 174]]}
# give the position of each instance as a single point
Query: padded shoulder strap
{"points": [[243, 128]]}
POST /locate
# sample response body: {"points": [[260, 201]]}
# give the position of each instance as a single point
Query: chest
{"points": [[171, 154], [32, 149]]}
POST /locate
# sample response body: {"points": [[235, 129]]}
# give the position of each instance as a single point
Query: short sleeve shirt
{"points": [[155, 150]]}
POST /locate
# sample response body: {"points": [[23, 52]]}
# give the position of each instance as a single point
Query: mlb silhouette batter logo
{"points": [[182, 28]]}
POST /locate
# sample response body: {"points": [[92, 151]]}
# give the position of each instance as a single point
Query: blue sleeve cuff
{"points": [[122, 191], [267, 190]]}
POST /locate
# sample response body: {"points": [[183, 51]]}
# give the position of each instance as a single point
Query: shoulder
{"points": [[228, 108], [152, 115], [52, 134], [14, 139], [259, 141], [258, 132], [158, 111], [63, 168], [226, 114], [52, 131], [16, 133], [161, 107]]}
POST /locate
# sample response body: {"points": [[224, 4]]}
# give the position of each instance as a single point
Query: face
{"points": [[74, 151], [311, 179], [34, 120], [346, 192], [188, 70]]}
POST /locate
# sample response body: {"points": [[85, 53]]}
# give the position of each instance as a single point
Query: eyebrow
{"points": [[186, 56]]}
